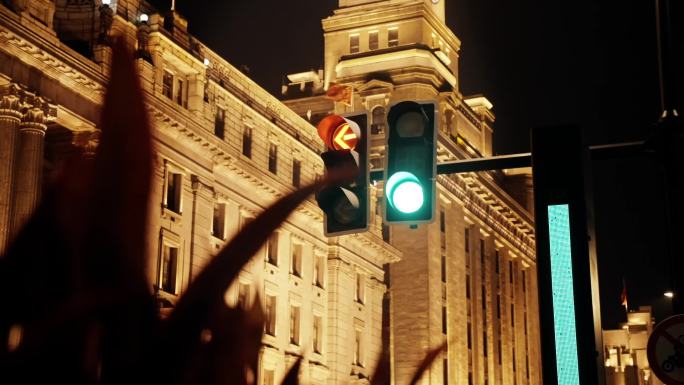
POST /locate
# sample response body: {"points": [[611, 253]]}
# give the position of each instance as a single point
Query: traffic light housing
{"points": [[345, 205], [410, 162]]}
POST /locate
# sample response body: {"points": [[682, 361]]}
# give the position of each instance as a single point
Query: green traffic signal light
{"points": [[410, 171], [404, 192]]}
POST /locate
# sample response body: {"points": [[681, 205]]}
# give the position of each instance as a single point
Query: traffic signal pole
{"points": [[668, 144]]}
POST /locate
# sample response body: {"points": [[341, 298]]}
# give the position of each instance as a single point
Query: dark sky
{"points": [[540, 62]]}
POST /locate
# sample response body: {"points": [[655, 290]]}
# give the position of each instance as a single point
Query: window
{"points": [[319, 270], [482, 253], [442, 222], [373, 40], [470, 378], [498, 262], [180, 92], [510, 271], [444, 320], [358, 360], [296, 172], [270, 315], [269, 377], [296, 261], [272, 250], [470, 336], [247, 142], [167, 84], [444, 272], [378, 123], [393, 37], [498, 306], [468, 286], [294, 325], [385, 232], [523, 281], [484, 343], [174, 188], [220, 123], [273, 158], [169, 267], [484, 297], [243, 295], [445, 371], [467, 240], [512, 315], [499, 350], [354, 43], [318, 334], [360, 288], [513, 360], [218, 227]]}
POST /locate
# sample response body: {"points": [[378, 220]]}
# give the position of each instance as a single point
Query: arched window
{"points": [[450, 122], [378, 120]]}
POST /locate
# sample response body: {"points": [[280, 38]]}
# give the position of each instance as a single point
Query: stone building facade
{"points": [[625, 350], [469, 277], [224, 150]]}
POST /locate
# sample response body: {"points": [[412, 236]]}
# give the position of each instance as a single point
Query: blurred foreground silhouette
{"points": [[76, 304]]}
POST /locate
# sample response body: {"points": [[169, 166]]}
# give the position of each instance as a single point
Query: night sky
{"points": [[541, 63]]}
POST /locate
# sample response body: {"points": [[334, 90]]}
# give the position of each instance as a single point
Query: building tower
{"points": [[469, 277]]}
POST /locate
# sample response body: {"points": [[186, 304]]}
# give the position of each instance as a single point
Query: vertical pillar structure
{"points": [[10, 118], [29, 164], [569, 308]]}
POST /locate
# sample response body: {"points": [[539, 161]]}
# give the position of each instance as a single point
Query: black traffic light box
{"points": [[345, 205], [410, 162]]}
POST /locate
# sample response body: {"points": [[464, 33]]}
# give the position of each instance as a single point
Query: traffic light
{"points": [[410, 169], [345, 205]]}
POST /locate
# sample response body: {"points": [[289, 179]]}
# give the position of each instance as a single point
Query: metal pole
{"points": [[669, 145]]}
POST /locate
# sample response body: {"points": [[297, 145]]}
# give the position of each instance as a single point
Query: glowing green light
{"points": [[564, 326], [404, 192]]}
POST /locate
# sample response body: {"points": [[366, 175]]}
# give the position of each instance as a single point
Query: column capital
{"points": [[87, 142], [10, 101], [35, 118]]}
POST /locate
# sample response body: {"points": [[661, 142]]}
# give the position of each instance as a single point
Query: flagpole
{"points": [[173, 5]]}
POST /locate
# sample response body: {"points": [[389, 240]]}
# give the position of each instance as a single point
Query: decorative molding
{"points": [[10, 39]]}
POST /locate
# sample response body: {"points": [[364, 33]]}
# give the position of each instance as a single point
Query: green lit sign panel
{"points": [[565, 329]]}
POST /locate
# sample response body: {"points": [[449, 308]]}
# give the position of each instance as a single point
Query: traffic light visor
{"points": [[404, 192], [339, 133]]}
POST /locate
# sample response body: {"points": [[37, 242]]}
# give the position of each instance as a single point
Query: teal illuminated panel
{"points": [[564, 326]]}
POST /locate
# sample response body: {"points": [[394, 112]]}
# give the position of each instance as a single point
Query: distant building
{"points": [[470, 277], [625, 350]]}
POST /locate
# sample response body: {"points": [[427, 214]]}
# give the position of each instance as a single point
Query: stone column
{"points": [[10, 117], [29, 164]]}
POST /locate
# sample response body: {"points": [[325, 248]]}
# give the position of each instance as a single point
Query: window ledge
{"points": [[296, 279], [174, 216]]}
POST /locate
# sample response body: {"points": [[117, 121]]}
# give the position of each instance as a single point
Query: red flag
{"points": [[623, 295], [340, 93]]}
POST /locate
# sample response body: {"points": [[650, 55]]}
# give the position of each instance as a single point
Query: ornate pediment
{"points": [[375, 85]]}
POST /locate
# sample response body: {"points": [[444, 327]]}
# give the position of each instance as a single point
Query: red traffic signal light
{"points": [[345, 204], [339, 133]]}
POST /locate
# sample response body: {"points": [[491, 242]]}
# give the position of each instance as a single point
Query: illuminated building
{"points": [[625, 350], [469, 277], [224, 150]]}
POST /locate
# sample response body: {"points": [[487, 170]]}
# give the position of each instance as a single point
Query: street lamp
{"points": [[669, 294]]}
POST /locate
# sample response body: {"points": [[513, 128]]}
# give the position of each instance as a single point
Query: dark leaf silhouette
{"points": [[74, 281], [427, 362], [381, 376], [292, 376]]}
